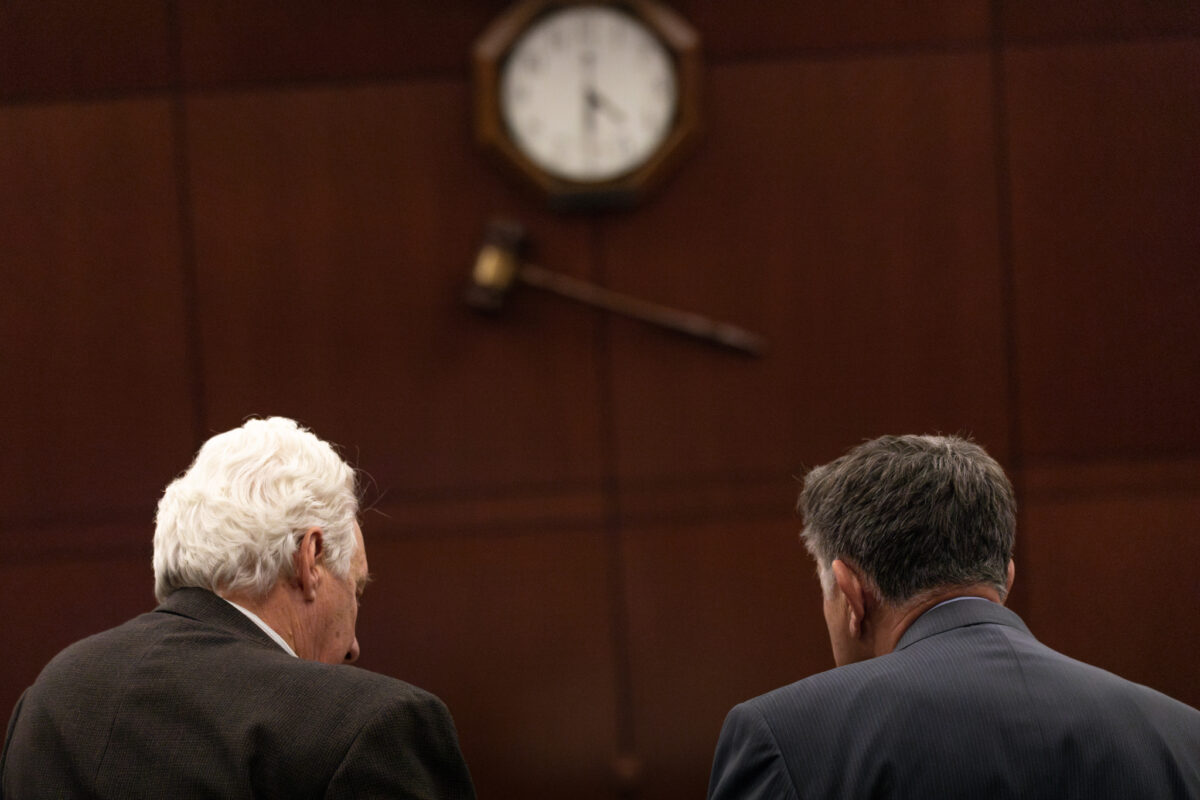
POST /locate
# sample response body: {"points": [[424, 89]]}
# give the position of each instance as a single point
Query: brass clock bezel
{"points": [[492, 48]]}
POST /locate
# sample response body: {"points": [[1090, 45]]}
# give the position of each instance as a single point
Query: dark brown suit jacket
{"points": [[194, 700]]}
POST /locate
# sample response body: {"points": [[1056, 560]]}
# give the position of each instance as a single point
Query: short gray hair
{"points": [[914, 513], [233, 520]]}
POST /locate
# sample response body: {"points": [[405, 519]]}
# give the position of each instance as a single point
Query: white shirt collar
{"points": [[961, 597], [267, 629]]}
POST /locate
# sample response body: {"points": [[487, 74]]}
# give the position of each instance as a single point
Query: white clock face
{"points": [[588, 93]]}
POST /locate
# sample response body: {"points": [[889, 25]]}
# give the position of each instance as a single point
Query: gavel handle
{"points": [[684, 322]]}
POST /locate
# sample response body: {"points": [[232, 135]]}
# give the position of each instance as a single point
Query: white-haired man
{"points": [[238, 684], [939, 690]]}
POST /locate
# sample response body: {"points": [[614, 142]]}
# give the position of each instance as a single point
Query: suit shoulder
{"points": [[99, 648], [821, 686], [342, 683]]}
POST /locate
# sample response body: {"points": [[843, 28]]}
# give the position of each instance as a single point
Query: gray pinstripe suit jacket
{"points": [[968, 705], [193, 700]]}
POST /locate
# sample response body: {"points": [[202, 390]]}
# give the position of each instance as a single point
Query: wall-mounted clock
{"points": [[591, 102]]}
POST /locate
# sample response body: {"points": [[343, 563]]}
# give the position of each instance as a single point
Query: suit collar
{"points": [[204, 606], [960, 614]]}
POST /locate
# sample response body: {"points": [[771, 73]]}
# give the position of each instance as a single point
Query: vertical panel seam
{"points": [[1004, 231], [611, 493], [189, 278], [1004, 225]]}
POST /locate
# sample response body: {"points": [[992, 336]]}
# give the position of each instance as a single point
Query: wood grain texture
{"points": [[97, 399], [514, 633], [731, 30], [65, 48], [1032, 19], [1110, 569], [718, 613], [335, 234], [1105, 236], [226, 41], [845, 210]]}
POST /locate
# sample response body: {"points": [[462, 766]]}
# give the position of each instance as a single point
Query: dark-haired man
{"points": [[939, 690]]}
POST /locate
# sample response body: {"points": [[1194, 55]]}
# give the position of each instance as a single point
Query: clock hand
{"points": [[602, 102], [587, 63], [589, 110], [587, 142]]}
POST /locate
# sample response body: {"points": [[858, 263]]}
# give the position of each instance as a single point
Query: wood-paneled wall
{"points": [[948, 215]]}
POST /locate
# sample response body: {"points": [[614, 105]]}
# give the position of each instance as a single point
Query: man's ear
{"points": [[309, 554], [1012, 572], [851, 586]]}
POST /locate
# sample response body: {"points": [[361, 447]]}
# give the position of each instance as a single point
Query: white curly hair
{"points": [[232, 522]]}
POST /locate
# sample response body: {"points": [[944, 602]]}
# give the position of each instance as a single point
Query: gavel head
{"points": [[497, 266]]}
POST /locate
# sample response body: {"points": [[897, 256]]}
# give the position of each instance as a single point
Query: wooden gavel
{"points": [[499, 267]]}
